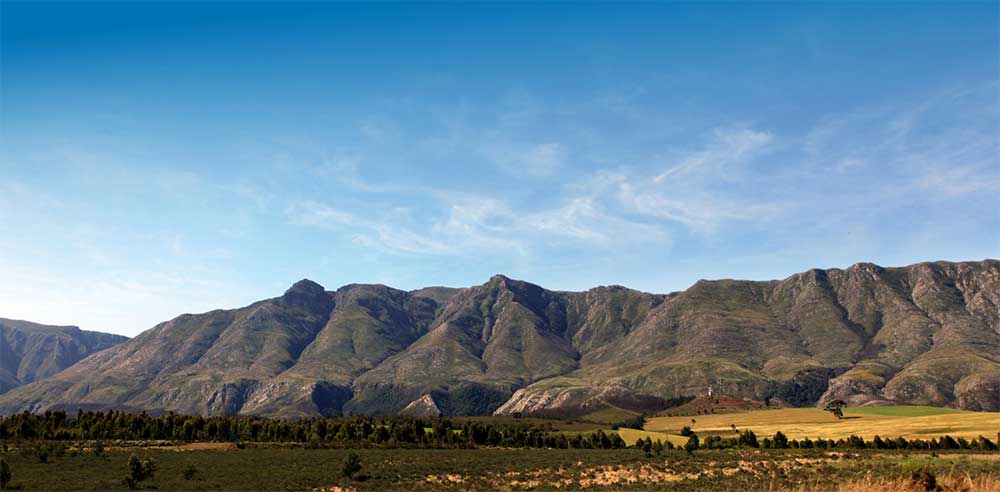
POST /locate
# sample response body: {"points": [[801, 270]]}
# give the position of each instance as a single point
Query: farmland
{"points": [[910, 422]]}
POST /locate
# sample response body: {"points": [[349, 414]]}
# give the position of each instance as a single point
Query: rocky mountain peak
{"points": [[499, 280], [308, 294], [305, 286]]}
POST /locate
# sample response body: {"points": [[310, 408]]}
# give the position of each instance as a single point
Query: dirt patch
{"points": [[446, 478], [200, 446]]}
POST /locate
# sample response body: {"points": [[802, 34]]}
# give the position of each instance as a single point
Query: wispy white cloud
{"points": [[470, 227], [727, 148], [695, 189], [463, 232], [584, 219], [947, 142]]}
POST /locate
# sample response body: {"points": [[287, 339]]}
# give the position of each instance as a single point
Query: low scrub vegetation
{"points": [[173, 452], [277, 466]]}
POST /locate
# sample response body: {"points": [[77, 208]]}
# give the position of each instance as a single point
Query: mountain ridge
{"points": [[927, 333], [31, 351]]}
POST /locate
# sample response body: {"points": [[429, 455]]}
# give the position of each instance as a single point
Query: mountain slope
{"points": [[923, 334], [30, 351]]}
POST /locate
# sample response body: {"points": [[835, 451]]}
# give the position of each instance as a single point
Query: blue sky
{"points": [[168, 158]]}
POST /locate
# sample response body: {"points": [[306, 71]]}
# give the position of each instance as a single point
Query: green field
{"points": [[904, 411], [902, 421], [298, 469]]}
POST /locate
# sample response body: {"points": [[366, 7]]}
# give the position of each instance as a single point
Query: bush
{"points": [[99, 449], [780, 441], [748, 438], [924, 480], [686, 431], [138, 470], [42, 452], [692, 444], [189, 472], [352, 465], [4, 474]]}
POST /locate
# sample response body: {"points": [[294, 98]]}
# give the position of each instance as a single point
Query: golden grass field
{"points": [[906, 421], [630, 436]]}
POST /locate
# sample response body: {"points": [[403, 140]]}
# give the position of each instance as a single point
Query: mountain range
{"points": [[30, 351], [923, 334]]}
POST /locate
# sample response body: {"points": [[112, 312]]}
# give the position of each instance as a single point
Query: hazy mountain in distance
{"points": [[922, 334], [31, 351]]}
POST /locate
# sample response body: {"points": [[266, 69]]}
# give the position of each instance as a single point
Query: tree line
{"points": [[399, 431], [351, 431], [748, 439]]}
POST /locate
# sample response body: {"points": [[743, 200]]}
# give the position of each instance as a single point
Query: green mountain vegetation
{"points": [[926, 334], [30, 351]]}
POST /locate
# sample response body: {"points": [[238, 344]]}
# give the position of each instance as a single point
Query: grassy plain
{"points": [[906, 421], [298, 469], [292, 467]]}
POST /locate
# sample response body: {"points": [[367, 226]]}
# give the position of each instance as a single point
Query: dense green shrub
{"points": [[779, 441], [138, 470], [692, 444], [748, 438], [351, 467]]}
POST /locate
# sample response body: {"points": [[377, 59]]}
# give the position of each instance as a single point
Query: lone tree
{"points": [[352, 465], [138, 470], [836, 407], [4, 474]]}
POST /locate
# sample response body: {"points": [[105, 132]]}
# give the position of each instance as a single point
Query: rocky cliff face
{"points": [[30, 351], [923, 334]]}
